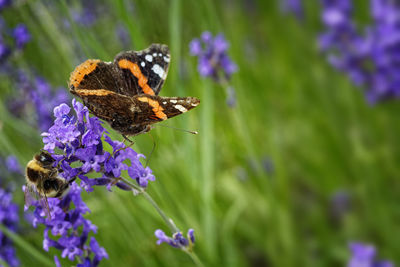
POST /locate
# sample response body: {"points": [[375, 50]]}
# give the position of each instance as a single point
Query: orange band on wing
{"points": [[83, 69], [157, 109], [134, 68], [97, 92]]}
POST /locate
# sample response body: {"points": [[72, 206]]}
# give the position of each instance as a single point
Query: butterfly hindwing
{"points": [[157, 108], [143, 71]]}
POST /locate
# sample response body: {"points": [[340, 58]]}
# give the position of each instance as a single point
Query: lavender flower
{"points": [[214, 62], [13, 165], [212, 56], [364, 256], [79, 137], [177, 240], [371, 57], [4, 52], [9, 218], [35, 99], [4, 4], [293, 6], [21, 35], [44, 99], [67, 230], [88, 13]]}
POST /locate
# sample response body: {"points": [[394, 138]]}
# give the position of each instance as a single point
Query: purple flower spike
{"points": [[13, 164], [211, 52], [177, 240], [21, 35], [364, 255], [10, 219], [370, 57], [4, 52]]}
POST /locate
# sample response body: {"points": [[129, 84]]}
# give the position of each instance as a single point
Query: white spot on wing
{"points": [[166, 59], [149, 58], [195, 104], [164, 103], [180, 108], [143, 64], [159, 71], [154, 54], [159, 54], [173, 101]]}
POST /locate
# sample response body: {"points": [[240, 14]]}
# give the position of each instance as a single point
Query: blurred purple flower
{"points": [[293, 6], [4, 4], [364, 256], [13, 164], [44, 100], [10, 219], [340, 204], [212, 56], [177, 240], [214, 62], [123, 36], [370, 59], [88, 13], [21, 35], [4, 52]]}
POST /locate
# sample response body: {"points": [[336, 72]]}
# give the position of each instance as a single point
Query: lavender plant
{"points": [[214, 62], [75, 141], [364, 255], [9, 217]]}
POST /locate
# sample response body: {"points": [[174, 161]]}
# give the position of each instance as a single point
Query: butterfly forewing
{"points": [[144, 71]]}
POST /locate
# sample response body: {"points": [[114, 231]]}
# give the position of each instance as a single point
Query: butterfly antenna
{"points": [[152, 150], [178, 129], [127, 139]]}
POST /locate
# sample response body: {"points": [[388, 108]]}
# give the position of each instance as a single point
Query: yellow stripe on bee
{"points": [[157, 109], [97, 92], [34, 165]]}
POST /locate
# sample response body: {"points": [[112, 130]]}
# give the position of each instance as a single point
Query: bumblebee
{"points": [[43, 181]]}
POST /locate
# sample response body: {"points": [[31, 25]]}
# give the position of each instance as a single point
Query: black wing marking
{"points": [[144, 71]]}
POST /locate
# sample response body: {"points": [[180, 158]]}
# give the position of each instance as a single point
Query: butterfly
{"points": [[125, 92]]}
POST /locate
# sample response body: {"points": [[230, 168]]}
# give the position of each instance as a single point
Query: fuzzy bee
{"points": [[43, 181]]}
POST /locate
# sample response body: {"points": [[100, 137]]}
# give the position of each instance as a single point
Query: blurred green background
{"points": [[298, 169]]}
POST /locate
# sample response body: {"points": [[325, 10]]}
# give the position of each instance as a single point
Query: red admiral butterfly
{"points": [[125, 92]]}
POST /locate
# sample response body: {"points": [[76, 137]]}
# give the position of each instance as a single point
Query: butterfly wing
{"points": [[156, 108], [145, 71], [94, 74]]}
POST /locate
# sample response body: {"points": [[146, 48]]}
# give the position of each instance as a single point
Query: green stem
{"points": [[167, 220], [26, 246], [194, 257]]}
